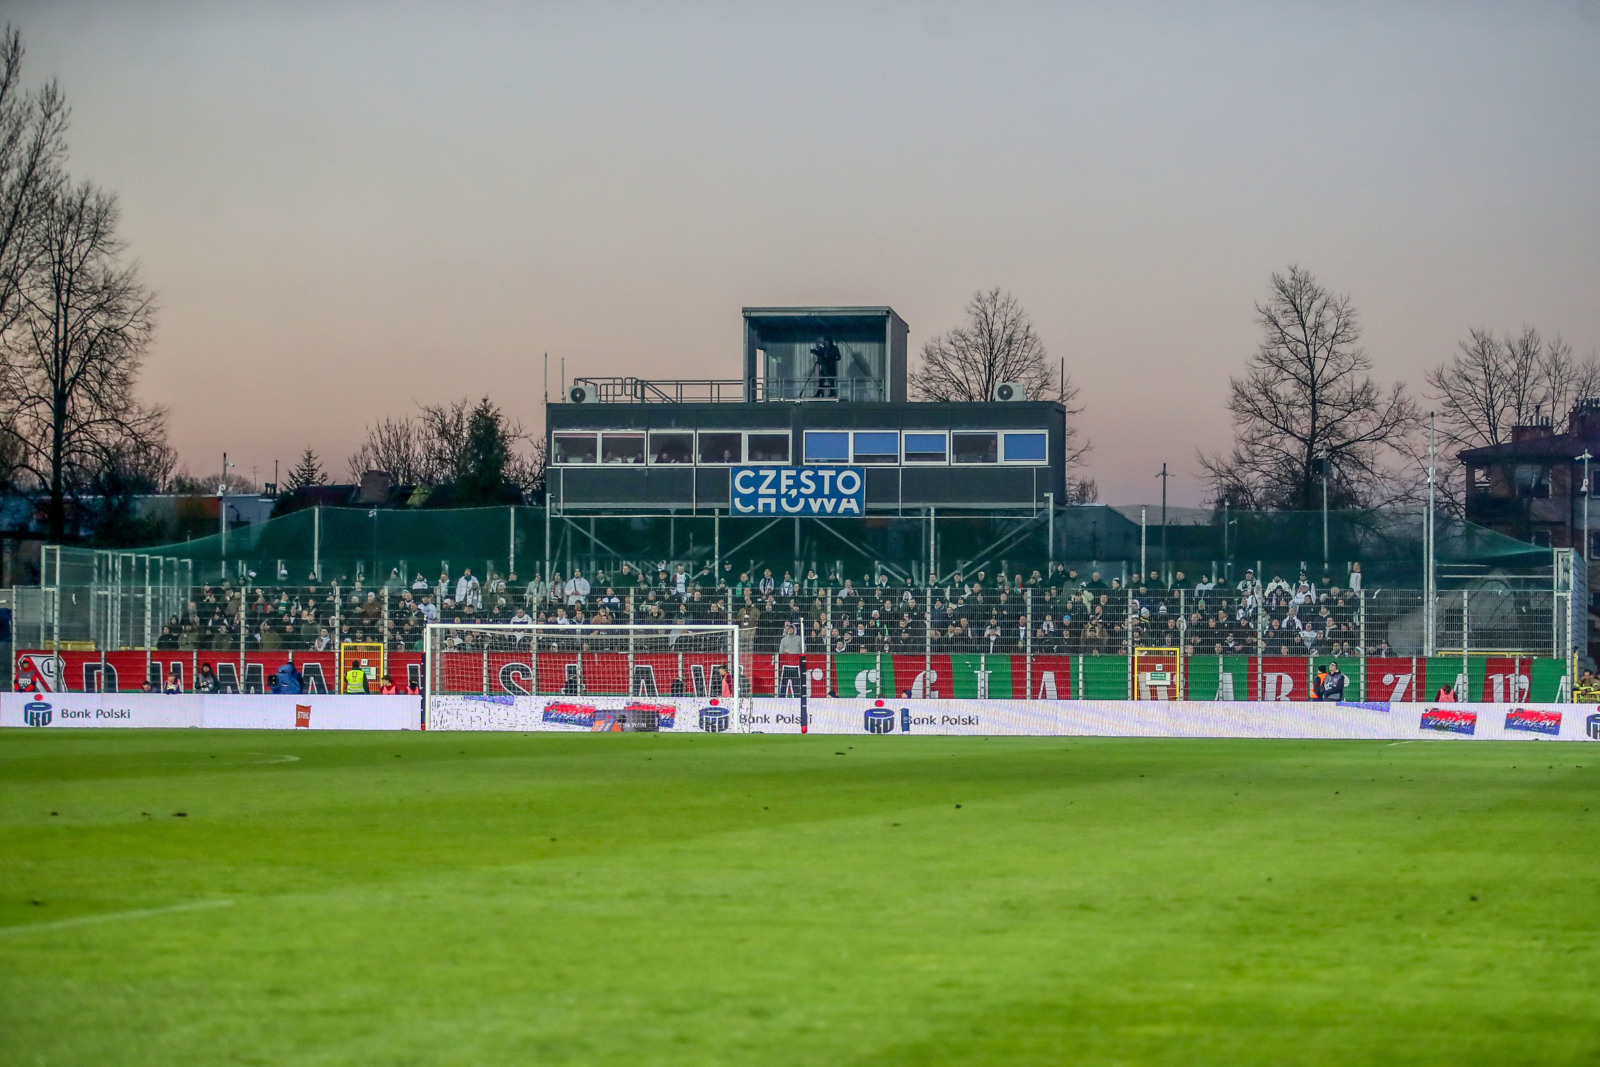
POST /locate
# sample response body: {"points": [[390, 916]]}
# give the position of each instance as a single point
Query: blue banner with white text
{"points": [[797, 491]]}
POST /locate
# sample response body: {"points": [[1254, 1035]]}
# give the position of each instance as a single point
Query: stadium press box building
{"points": [[818, 425]]}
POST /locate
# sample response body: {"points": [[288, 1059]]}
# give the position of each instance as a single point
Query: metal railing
{"points": [[626, 390]]}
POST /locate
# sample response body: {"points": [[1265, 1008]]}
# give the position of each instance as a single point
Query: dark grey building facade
{"points": [[820, 387]]}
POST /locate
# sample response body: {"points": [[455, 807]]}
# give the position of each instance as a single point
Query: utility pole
{"points": [[1163, 476]]}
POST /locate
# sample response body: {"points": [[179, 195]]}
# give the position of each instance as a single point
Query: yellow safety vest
{"points": [[355, 680]]}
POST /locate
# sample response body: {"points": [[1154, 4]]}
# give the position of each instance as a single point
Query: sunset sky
{"points": [[349, 208]]}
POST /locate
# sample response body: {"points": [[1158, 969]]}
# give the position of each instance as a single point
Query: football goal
{"points": [[620, 676]]}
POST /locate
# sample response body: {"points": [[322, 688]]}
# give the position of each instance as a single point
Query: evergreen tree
{"points": [[485, 463], [307, 472]]}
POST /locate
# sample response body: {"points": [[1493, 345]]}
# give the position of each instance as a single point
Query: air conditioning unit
{"points": [[581, 394], [1011, 391]]}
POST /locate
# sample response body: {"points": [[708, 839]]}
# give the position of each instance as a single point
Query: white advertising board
{"points": [[1087, 718], [226, 712], [1084, 718]]}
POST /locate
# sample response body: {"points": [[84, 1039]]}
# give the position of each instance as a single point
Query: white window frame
{"points": [[574, 433], [650, 453], [1005, 458], [805, 448], [787, 435], [892, 461], [970, 463], [643, 437], [737, 461], [905, 455]]}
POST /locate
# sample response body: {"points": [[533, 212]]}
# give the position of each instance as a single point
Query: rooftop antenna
{"points": [[547, 377]]}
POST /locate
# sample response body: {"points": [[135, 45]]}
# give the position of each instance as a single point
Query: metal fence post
{"points": [[1027, 644], [927, 638], [1361, 636], [147, 618], [1183, 630]]}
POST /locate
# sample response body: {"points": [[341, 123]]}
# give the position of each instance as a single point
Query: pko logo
{"points": [[36, 713], [878, 719], [714, 720]]}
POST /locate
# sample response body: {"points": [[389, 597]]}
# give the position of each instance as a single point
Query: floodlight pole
{"points": [[1428, 548], [222, 509], [1586, 457], [1163, 476], [1142, 539], [1326, 461]]}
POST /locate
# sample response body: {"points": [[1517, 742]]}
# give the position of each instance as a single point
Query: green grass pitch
{"points": [[625, 899]]}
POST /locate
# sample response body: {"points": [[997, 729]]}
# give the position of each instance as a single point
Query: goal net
{"points": [[506, 676]]}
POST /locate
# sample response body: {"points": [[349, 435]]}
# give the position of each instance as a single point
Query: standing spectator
{"points": [[577, 588], [1355, 578]]}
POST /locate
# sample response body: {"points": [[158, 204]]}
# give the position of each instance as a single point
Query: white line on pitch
{"points": [[138, 913]]}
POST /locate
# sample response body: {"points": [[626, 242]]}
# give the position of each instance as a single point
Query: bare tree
{"points": [[395, 446], [1492, 385], [998, 344], [1307, 398], [33, 125], [73, 356]]}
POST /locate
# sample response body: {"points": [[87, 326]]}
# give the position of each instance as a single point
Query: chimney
{"points": [[1533, 428], [1584, 422], [375, 487]]}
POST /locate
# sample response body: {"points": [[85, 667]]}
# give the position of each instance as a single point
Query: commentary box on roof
{"points": [[797, 491]]}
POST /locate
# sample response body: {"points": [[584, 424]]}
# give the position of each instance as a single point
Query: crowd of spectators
{"points": [[1059, 612]]}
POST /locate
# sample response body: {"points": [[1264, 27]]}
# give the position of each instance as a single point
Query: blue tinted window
{"points": [[1026, 447], [877, 446], [926, 448], [827, 446]]}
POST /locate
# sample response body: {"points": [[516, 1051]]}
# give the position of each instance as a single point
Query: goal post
{"points": [[622, 676]]}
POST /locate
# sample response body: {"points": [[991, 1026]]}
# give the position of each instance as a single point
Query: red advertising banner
{"points": [[1281, 678], [1394, 678]]}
